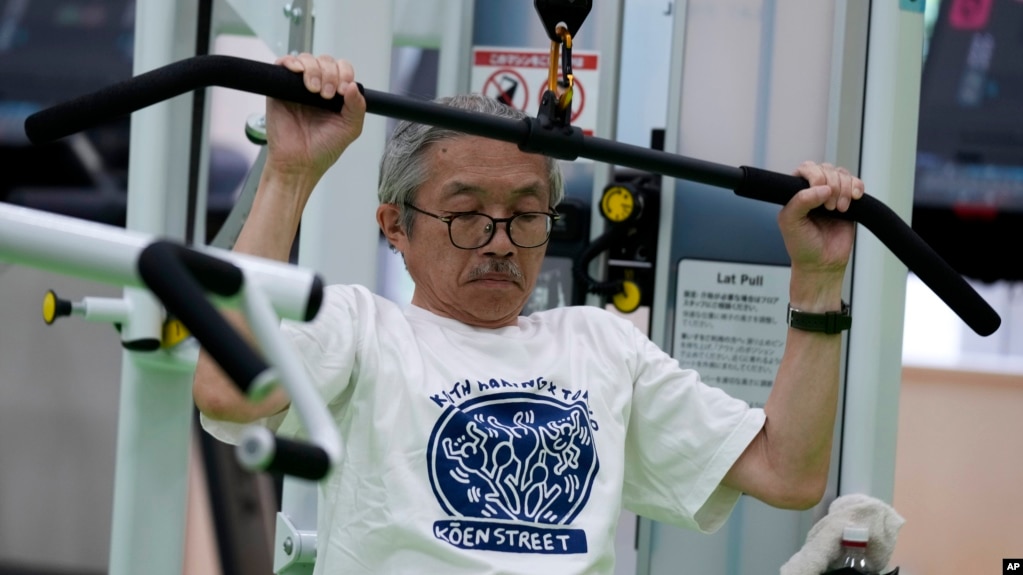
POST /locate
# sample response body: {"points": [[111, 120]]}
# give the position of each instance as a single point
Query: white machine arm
{"points": [[181, 277], [259, 448], [108, 254]]}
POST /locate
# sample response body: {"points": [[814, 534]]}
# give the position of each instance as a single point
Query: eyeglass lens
{"points": [[471, 231]]}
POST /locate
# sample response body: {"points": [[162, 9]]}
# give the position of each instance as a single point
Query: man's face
{"points": [[487, 286]]}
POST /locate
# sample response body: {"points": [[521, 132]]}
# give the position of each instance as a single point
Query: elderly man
{"points": [[481, 441]]}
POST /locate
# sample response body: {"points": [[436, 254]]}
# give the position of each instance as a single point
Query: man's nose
{"points": [[500, 244]]}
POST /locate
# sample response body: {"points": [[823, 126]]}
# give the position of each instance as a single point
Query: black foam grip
{"points": [[894, 233], [214, 274], [768, 186], [315, 300], [166, 82], [271, 80], [299, 459], [163, 269]]}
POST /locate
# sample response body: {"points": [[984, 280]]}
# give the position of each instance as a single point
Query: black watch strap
{"points": [[829, 322]]}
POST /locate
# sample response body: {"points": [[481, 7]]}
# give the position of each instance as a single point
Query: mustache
{"points": [[506, 267]]}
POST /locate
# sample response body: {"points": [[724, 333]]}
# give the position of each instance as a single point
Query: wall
{"points": [[958, 471], [58, 425]]}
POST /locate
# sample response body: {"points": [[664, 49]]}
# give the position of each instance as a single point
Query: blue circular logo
{"points": [[513, 456]]}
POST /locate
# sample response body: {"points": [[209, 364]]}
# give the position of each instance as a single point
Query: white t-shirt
{"points": [[510, 450]]}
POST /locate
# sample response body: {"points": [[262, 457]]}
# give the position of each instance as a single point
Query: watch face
{"points": [[617, 204]]}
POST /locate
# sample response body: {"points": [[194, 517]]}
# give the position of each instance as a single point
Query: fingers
{"points": [[322, 74], [851, 184], [355, 102], [291, 62], [832, 187]]}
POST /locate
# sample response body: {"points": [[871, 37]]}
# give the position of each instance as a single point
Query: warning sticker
{"points": [[508, 87], [730, 324], [518, 77]]}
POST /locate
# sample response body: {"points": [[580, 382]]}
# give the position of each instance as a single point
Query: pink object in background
{"points": [[970, 14]]}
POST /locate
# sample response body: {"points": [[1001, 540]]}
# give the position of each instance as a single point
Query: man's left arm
{"points": [[786, 465]]}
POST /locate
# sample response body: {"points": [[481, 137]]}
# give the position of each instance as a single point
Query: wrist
{"points": [[287, 185], [275, 214], [816, 292], [830, 322]]}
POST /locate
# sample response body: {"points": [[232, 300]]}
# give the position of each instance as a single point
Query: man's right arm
{"points": [[303, 143], [268, 232]]}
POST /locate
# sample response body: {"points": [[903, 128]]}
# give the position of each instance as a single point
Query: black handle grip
{"points": [[167, 82], [177, 275], [894, 233], [259, 449], [278, 82], [299, 459], [529, 134]]}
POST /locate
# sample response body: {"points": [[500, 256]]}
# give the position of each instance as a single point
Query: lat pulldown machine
{"points": [[114, 256]]}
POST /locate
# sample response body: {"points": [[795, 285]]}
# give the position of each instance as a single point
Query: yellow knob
{"points": [[54, 307], [627, 300], [174, 332], [617, 204]]}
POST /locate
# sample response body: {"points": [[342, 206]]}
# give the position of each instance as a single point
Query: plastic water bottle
{"points": [[854, 551]]}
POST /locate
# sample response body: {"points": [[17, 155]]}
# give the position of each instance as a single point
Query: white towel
{"points": [[824, 541]]}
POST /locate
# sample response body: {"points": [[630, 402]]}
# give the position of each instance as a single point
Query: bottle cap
{"points": [[856, 533]]}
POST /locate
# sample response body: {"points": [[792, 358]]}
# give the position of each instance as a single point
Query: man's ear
{"points": [[389, 220]]}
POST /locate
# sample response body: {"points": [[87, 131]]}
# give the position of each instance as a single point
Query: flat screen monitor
{"points": [[52, 51], [968, 195]]}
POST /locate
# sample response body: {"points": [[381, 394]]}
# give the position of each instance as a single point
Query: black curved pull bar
{"points": [[529, 134], [178, 275]]}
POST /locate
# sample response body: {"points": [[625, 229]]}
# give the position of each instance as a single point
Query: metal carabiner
{"points": [[567, 82], [568, 79]]}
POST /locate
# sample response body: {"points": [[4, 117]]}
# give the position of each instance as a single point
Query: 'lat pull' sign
{"points": [[570, 12]]}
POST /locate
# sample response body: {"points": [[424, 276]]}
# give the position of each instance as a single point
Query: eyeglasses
{"points": [[473, 230]]}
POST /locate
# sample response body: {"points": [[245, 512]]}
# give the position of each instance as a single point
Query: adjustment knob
{"points": [[620, 204], [54, 307], [628, 300]]}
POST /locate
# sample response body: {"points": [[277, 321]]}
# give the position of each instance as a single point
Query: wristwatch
{"points": [[829, 322]]}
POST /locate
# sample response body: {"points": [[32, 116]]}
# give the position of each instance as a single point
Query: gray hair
{"points": [[403, 170]]}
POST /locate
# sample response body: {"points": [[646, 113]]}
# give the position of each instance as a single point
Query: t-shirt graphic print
{"points": [[512, 469]]}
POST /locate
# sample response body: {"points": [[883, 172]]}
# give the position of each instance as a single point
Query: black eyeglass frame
{"points": [[554, 216]]}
